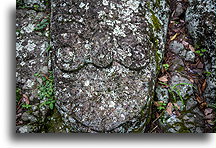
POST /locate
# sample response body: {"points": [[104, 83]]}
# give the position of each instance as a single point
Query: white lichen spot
{"points": [[22, 63], [101, 14], [29, 83], [87, 82], [111, 104], [30, 28], [101, 108], [105, 2], [86, 6], [82, 5], [118, 31], [81, 20], [30, 46], [87, 46], [66, 76], [122, 116], [112, 6], [133, 5]]}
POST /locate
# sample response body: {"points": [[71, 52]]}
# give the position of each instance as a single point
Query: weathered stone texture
{"points": [[31, 58], [200, 18], [107, 54]]}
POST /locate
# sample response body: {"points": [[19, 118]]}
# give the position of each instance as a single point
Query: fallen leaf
{"points": [[192, 80], [169, 108], [199, 99], [25, 99], [191, 48], [204, 86], [163, 79], [208, 111], [158, 103], [185, 43], [200, 65], [172, 38], [176, 105]]}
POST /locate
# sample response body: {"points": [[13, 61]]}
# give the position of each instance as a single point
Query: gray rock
{"points": [[28, 117], [177, 65], [32, 4], [200, 19], [105, 61], [25, 129], [31, 57], [176, 47], [179, 9], [190, 56], [162, 94], [191, 118]]}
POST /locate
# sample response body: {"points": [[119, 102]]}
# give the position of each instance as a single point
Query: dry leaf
{"points": [[185, 43], [192, 80], [169, 108], [172, 38], [199, 99], [158, 103], [204, 86], [163, 79], [25, 99], [191, 48], [208, 111], [176, 105]]}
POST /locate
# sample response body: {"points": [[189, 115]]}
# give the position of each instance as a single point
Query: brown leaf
{"points": [[176, 105], [169, 108], [200, 65], [191, 48], [173, 37], [185, 43], [208, 111], [204, 85], [158, 103], [192, 80], [163, 79], [25, 99], [199, 99]]}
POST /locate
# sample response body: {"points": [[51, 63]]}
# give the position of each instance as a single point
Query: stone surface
{"points": [[186, 116], [200, 19], [190, 56], [107, 55], [31, 57]]}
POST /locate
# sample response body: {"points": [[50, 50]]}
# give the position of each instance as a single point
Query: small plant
{"points": [[173, 90], [46, 89], [18, 95], [27, 106], [213, 106], [207, 73], [200, 52], [166, 66], [42, 25], [161, 105]]}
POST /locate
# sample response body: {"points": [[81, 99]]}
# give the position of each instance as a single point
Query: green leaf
{"points": [[51, 106]]}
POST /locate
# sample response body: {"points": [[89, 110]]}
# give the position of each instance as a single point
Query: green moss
{"points": [[18, 94], [157, 3], [158, 58], [180, 69], [54, 123], [156, 22]]}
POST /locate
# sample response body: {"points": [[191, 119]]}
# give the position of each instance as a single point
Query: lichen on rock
{"points": [[105, 65], [200, 19]]}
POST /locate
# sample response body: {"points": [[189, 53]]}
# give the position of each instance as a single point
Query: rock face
{"points": [[31, 57], [200, 18], [184, 115], [107, 56]]}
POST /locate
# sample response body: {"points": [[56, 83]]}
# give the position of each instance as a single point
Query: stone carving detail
{"points": [[105, 59]]}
